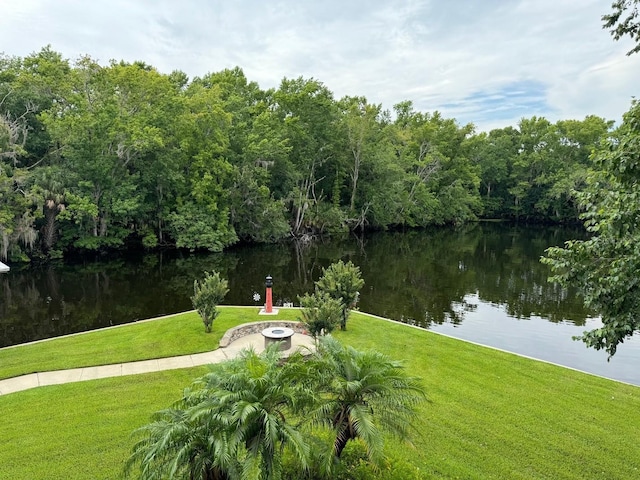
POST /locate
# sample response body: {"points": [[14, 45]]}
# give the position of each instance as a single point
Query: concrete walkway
{"points": [[57, 377]]}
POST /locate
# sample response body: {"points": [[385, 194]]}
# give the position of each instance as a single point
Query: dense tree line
{"points": [[95, 157]]}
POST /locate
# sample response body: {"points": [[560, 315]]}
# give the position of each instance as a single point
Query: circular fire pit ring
{"points": [[280, 335]]}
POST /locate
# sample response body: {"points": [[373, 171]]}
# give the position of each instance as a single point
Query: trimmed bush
{"points": [[207, 294]]}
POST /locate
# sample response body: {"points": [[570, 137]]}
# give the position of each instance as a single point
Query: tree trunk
{"points": [[49, 227], [103, 226], [354, 177], [343, 320], [342, 440]]}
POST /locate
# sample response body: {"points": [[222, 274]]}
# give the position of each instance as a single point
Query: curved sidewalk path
{"points": [[57, 377]]}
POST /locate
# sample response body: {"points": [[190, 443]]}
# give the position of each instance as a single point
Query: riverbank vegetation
{"points": [[96, 157], [490, 414]]}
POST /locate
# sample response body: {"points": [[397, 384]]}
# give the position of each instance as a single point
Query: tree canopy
{"points": [[96, 157], [605, 267]]}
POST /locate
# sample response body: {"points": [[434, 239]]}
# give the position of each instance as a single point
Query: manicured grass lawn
{"points": [[496, 415], [489, 415], [81, 430], [176, 335]]}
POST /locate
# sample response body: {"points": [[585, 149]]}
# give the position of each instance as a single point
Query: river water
{"points": [[483, 283]]}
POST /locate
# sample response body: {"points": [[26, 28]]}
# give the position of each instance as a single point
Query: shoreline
{"points": [[153, 319]]}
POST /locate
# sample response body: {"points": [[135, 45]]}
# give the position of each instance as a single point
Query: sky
{"points": [[486, 62]]}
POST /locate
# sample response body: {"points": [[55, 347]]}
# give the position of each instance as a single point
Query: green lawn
{"points": [[489, 414], [175, 335]]}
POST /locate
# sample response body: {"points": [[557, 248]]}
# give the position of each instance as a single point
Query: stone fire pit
{"points": [[278, 334]]}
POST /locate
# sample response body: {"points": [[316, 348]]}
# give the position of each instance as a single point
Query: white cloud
{"points": [[461, 57]]}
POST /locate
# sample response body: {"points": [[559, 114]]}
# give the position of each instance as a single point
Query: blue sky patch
{"points": [[515, 100]]}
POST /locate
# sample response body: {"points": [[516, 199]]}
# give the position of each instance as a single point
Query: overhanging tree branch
{"points": [[623, 21]]}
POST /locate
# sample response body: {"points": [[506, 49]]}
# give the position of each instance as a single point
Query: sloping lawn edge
{"points": [[173, 335], [490, 414]]}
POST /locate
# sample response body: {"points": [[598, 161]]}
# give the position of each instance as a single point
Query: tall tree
{"points": [[17, 215], [309, 113], [50, 188], [201, 218], [494, 155], [105, 128], [254, 213], [440, 182], [27, 87], [604, 267], [361, 122], [577, 139], [533, 164]]}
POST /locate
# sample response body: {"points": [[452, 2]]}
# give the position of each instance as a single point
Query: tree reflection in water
{"points": [[421, 277]]}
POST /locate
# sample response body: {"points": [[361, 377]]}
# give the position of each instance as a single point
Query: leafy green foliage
{"points": [[232, 424], [140, 158], [255, 214], [177, 446], [605, 267], [321, 313], [17, 217], [200, 218], [242, 419], [620, 25], [365, 394], [535, 171], [207, 294], [193, 227], [341, 281]]}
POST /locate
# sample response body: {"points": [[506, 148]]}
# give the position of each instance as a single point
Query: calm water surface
{"points": [[482, 283]]}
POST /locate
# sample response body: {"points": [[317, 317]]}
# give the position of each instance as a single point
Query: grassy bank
{"points": [[489, 415], [175, 335]]}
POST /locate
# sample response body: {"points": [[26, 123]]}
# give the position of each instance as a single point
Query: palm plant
{"points": [[181, 445], [241, 417], [259, 393], [365, 394], [50, 188], [236, 423]]}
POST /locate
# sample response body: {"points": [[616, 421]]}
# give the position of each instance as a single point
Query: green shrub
{"points": [[207, 294], [320, 313], [341, 281]]}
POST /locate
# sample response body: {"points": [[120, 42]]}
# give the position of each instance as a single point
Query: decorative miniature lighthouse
{"points": [[268, 305]]}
